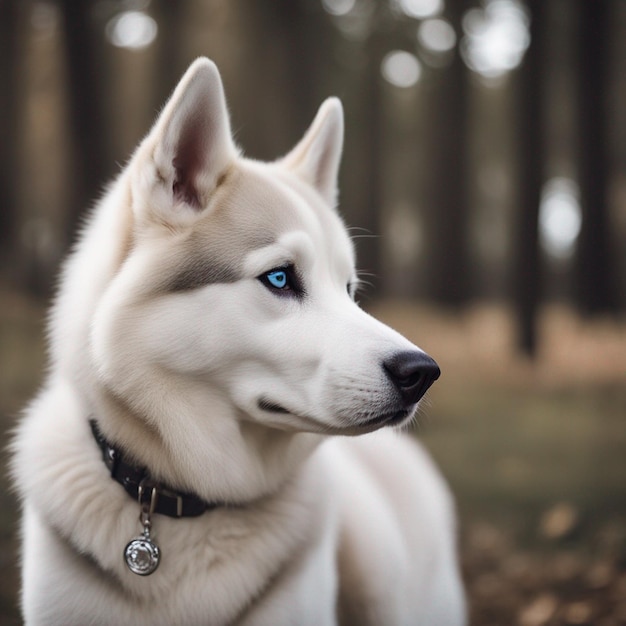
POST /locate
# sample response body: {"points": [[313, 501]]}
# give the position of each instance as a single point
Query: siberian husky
{"points": [[203, 449]]}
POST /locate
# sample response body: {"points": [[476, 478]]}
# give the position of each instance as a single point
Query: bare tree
{"points": [[368, 192], [171, 58], [596, 290], [449, 262], [11, 12], [91, 164], [527, 271]]}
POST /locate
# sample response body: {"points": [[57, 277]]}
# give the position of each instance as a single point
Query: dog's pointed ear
{"points": [[190, 145], [317, 156]]}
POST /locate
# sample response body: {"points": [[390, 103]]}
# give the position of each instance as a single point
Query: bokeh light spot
{"points": [[131, 29], [401, 68]]}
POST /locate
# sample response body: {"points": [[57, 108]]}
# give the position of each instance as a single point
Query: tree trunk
{"points": [[527, 272], [91, 164], [449, 268], [170, 55], [595, 268], [369, 192], [10, 61]]}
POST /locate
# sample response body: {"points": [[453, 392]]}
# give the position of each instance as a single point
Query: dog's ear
{"points": [[189, 147], [317, 156]]}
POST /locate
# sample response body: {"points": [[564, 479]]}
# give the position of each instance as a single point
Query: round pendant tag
{"points": [[142, 556]]}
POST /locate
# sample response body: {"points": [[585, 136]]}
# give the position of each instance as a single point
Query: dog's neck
{"points": [[139, 484], [220, 457]]}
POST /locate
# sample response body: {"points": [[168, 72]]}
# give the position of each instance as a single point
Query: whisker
{"points": [[358, 232], [364, 285], [360, 273], [365, 236]]}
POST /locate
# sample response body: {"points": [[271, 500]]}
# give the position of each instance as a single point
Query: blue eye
{"points": [[277, 278], [283, 281]]}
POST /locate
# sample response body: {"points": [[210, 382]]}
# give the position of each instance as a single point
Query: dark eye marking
{"points": [[200, 274]]}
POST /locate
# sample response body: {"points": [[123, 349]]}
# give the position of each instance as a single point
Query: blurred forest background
{"points": [[485, 169]]}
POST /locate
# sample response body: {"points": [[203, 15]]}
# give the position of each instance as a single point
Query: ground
{"points": [[535, 453]]}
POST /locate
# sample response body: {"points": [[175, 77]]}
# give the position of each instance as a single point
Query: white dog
{"points": [[207, 364]]}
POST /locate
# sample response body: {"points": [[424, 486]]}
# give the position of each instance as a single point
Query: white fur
{"points": [[323, 528]]}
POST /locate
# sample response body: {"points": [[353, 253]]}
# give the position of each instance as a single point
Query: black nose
{"points": [[412, 372]]}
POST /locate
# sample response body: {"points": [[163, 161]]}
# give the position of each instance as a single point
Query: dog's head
{"points": [[238, 287], [216, 297]]}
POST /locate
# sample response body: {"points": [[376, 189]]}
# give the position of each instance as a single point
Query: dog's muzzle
{"points": [[412, 373]]}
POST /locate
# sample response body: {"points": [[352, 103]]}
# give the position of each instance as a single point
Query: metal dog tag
{"points": [[142, 555]]}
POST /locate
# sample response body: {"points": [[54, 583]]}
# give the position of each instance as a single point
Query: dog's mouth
{"points": [[386, 419], [389, 419], [272, 407]]}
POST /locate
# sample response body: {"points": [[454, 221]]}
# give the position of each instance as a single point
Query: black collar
{"points": [[140, 486]]}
